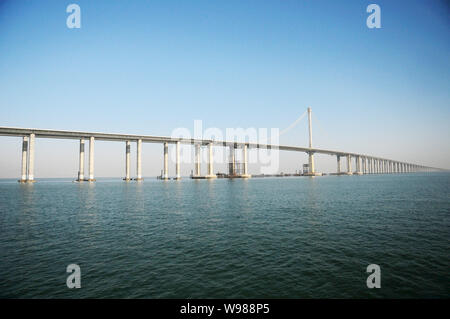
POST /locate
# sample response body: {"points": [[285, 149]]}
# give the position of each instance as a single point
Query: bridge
{"points": [[364, 163]]}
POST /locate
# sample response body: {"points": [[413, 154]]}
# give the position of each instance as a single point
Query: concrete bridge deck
{"points": [[364, 163]]}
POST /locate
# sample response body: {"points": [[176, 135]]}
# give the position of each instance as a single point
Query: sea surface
{"points": [[290, 237]]}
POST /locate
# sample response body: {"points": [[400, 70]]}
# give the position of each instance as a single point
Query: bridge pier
{"points": [[127, 161], [210, 163], [197, 160], [177, 164], [338, 158], [232, 163], [246, 174], [358, 165], [30, 178], [312, 169], [91, 159], [139, 160], [349, 165], [23, 177], [165, 175], [81, 162]]}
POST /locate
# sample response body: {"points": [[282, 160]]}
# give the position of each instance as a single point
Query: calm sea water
{"points": [[258, 238]]}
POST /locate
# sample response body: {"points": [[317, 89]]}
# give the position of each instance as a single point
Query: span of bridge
{"points": [[364, 163]]}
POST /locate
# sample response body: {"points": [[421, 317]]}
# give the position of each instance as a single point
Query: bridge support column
{"points": [[197, 160], [246, 174], [349, 165], [91, 159], [23, 176], [358, 165], [81, 162], [31, 159], [166, 161], [210, 162], [177, 165], [127, 161], [312, 169], [232, 163], [139, 160], [338, 164]]}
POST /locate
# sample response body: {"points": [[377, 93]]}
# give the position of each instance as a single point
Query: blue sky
{"points": [[148, 67]]}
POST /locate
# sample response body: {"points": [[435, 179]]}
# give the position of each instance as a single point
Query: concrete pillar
{"points": [[23, 176], [81, 162], [338, 164], [312, 169], [210, 162], [232, 163], [363, 162], [139, 160], [91, 159], [349, 165], [197, 159], [31, 159], [177, 164], [245, 161], [127, 161], [358, 165], [166, 161]]}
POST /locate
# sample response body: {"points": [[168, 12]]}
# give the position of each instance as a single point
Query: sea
{"points": [[277, 237]]}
